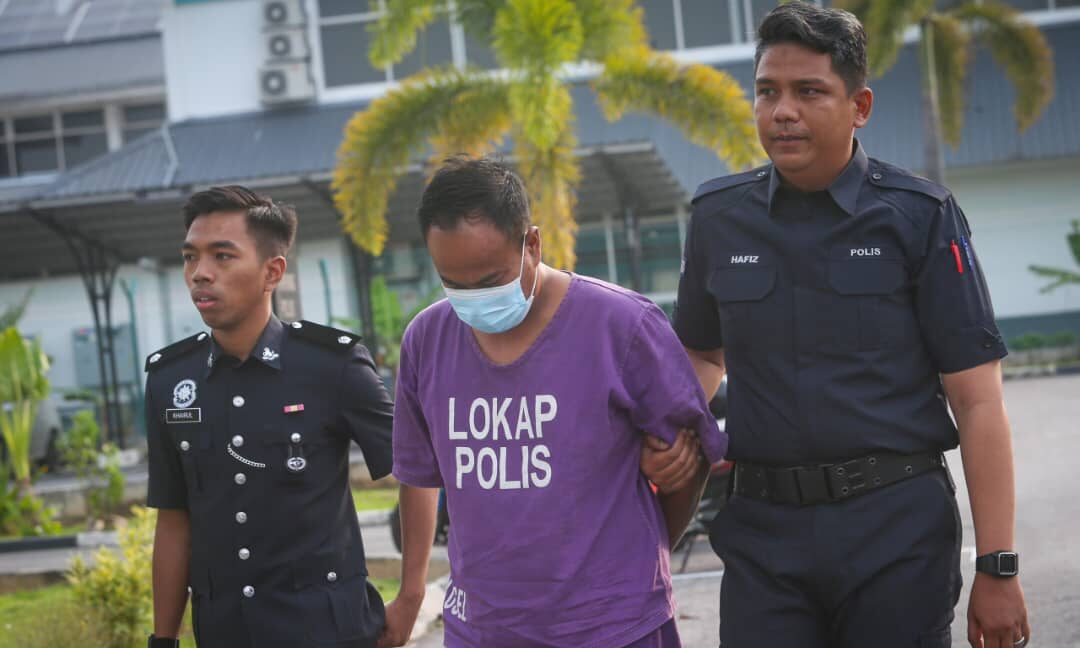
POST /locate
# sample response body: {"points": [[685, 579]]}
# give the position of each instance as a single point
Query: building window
{"points": [[660, 23], [343, 30], [83, 136], [49, 142], [707, 23], [140, 119]]}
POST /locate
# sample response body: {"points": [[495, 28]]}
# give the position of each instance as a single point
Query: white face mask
{"points": [[494, 310]]}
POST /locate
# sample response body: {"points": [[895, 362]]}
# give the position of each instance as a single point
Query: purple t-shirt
{"points": [[555, 538]]}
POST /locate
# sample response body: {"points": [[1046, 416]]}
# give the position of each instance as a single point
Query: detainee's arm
{"points": [[167, 492], [417, 468], [664, 399]]}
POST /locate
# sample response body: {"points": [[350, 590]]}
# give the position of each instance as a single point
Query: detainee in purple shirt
{"points": [[528, 394]]}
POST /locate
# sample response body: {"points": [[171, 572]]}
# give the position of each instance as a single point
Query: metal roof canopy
{"points": [[147, 223]]}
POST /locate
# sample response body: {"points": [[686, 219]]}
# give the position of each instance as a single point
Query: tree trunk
{"points": [[933, 153]]}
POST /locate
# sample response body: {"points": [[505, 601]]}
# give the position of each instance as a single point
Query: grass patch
{"points": [[49, 617], [388, 587], [375, 499]]}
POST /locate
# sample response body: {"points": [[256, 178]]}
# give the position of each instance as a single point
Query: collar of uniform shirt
{"points": [[267, 350], [844, 190]]}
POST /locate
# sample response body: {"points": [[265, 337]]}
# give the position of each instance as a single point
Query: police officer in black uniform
{"points": [[249, 429], [845, 298]]}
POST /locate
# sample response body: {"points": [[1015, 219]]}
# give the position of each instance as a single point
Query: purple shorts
{"points": [[666, 636]]}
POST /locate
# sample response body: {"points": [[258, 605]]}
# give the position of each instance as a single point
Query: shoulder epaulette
{"points": [[726, 182], [175, 350], [324, 335], [886, 175]]}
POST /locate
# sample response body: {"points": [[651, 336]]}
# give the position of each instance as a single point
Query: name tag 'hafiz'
{"points": [[184, 415]]}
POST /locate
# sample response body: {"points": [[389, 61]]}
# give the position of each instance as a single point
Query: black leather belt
{"points": [[823, 484]]}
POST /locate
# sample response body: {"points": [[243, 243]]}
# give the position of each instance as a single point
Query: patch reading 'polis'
{"points": [[184, 415]]}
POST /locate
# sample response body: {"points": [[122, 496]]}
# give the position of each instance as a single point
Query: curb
{"points": [[1040, 372], [89, 539]]}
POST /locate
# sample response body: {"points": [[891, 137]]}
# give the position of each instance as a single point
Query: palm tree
{"points": [[1060, 276], [455, 110], [945, 40]]}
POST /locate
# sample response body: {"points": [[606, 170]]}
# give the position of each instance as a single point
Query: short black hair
{"points": [[468, 188], [272, 224], [835, 32]]}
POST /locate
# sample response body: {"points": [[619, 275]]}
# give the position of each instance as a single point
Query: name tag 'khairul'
{"points": [[184, 415]]}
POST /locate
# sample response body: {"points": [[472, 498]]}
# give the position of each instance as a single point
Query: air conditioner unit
{"points": [[281, 83], [283, 13], [285, 44]]}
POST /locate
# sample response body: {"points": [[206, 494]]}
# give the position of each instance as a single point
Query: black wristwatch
{"points": [[1000, 564], [162, 642]]}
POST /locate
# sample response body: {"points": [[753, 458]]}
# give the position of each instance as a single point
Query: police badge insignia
{"points": [[269, 355], [183, 395], [296, 464]]}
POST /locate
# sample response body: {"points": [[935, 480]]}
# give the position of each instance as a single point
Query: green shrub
{"points": [[99, 469], [1028, 341], [21, 513], [1062, 339], [116, 591], [48, 618]]}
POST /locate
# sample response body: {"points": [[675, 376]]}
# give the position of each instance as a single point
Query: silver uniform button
{"points": [[249, 591], [154, 358], [876, 176], [295, 438], [762, 174], [238, 401], [241, 517], [202, 336], [240, 478], [244, 553], [185, 446], [237, 441], [331, 576], [297, 325], [344, 339]]}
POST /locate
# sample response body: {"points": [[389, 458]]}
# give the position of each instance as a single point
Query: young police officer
{"points": [[249, 431], [845, 298]]}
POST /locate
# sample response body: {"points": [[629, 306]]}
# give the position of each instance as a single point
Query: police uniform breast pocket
{"points": [[871, 300], [747, 313], [193, 443], [298, 448]]}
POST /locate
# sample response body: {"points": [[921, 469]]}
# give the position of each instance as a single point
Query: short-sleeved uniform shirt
{"points": [[257, 451], [837, 310], [556, 538]]}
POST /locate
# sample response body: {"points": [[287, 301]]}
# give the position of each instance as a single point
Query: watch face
{"points": [[1007, 564]]}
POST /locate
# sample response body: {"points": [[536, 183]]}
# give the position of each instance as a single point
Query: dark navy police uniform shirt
{"points": [[258, 453], [837, 311]]}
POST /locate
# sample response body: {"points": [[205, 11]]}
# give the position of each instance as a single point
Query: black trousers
{"points": [[880, 570]]}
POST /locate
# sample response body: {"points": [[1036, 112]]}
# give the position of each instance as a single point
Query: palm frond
{"points": [[1059, 276], [475, 124], [1020, 48], [951, 48], [537, 36], [885, 22], [478, 16], [707, 104], [551, 175], [379, 141], [542, 106], [610, 27], [393, 35]]}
